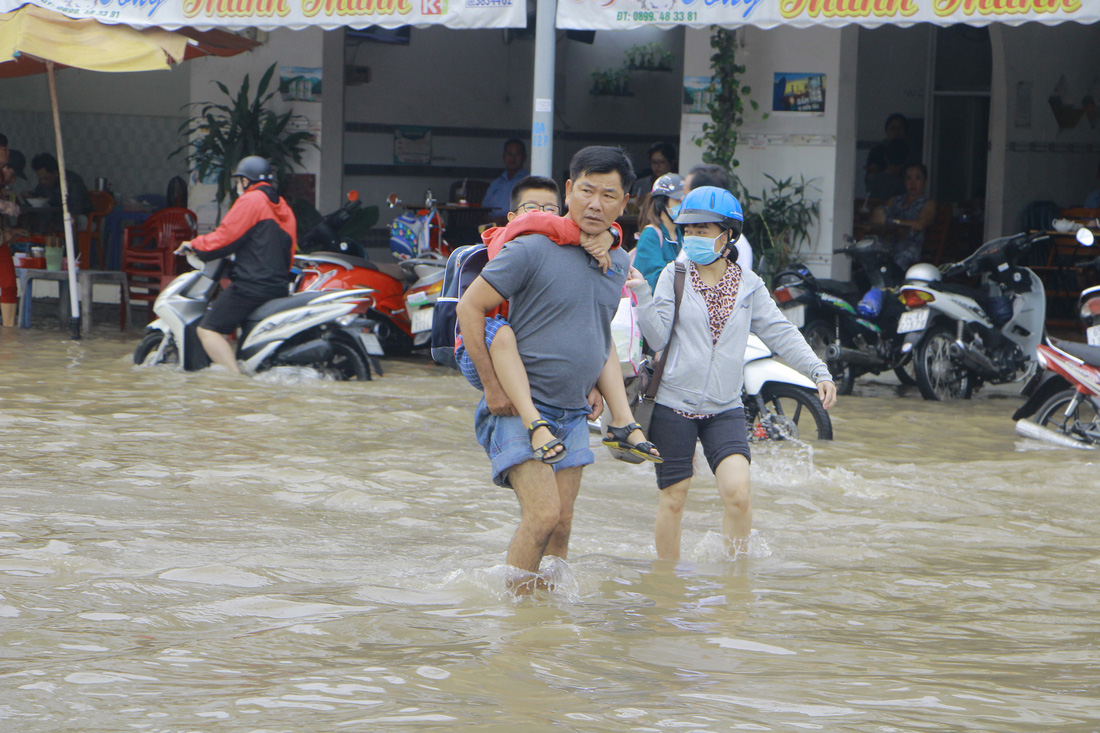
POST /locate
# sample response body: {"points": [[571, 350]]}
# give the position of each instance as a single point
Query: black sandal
{"points": [[541, 451], [617, 441]]}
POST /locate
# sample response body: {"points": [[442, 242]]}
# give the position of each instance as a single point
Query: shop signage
{"points": [[622, 14], [269, 14]]}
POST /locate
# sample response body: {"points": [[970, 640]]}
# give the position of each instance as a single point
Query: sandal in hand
{"points": [[618, 441]]}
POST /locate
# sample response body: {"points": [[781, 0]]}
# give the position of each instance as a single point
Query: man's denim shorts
{"points": [[466, 364], [507, 443]]}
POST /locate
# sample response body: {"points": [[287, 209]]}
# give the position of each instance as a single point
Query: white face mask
{"points": [[700, 250]]}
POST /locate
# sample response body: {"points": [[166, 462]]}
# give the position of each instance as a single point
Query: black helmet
{"points": [[254, 168]]}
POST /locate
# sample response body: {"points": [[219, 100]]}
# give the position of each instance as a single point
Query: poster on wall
{"points": [[697, 95], [798, 92], [300, 83], [412, 145]]}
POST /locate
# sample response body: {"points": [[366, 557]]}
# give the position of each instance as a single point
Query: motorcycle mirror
{"points": [[392, 200], [353, 195], [1085, 236]]}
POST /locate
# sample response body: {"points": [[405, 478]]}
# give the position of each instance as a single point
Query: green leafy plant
{"points": [[778, 222], [727, 105], [221, 134]]}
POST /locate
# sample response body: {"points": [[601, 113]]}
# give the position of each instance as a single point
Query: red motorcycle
{"points": [[397, 316]]}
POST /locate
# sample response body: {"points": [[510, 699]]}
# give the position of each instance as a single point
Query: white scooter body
{"points": [[762, 367], [183, 302]]}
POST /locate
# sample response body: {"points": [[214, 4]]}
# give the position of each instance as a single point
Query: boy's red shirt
{"points": [[560, 229]]}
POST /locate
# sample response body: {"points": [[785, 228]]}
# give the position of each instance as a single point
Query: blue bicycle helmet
{"points": [[712, 204]]}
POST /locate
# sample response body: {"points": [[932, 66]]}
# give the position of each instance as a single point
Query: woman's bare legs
{"points": [[670, 509], [512, 376], [733, 487]]}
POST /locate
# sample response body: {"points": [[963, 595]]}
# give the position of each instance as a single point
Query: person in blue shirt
{"points": [[659, 242], [498, 197]]}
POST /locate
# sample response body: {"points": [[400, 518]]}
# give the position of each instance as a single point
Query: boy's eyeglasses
{"points": [[528, 207]]}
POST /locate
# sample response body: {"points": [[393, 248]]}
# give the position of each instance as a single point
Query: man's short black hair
{"points": [[533, 183], [44, 160], [896, 116], [709, 174], [516, 141], [3, 140], [603, 159]]}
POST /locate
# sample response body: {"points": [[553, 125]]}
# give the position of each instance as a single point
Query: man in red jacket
{"points": [[260, 230]]}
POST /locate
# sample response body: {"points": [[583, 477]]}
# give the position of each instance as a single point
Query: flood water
{"points": [[195, 552]]}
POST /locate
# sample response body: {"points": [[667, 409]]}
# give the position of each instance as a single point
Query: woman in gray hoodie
{"points": [[699, 398]]}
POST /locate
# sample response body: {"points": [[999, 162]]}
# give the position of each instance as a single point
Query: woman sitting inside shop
{"points": [[913, 211]]}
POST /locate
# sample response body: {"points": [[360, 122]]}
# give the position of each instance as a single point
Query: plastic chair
{"points": [[102, 204], [148, 252], [474, 191]]}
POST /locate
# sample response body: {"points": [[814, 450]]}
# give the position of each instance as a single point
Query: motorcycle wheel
{"points": [[820, 336], [1082, 425], [938, 376], [787, 406], [148, 347], [346, 364]]}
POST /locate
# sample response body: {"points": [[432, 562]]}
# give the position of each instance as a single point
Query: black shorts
{"points": [[722, 435], [229, 310]]}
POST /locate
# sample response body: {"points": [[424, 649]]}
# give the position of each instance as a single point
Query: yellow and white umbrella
{"points": [[34, 40]]}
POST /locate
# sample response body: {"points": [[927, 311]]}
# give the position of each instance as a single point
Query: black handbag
{"points": [[642, 389]]}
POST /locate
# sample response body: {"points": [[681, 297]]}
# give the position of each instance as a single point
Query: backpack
{"points": [[463, 267]]}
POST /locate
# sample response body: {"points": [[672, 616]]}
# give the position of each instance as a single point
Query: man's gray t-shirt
{"points": [[561, 306]]}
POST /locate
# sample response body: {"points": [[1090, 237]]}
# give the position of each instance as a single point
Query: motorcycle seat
{"points": [[1088, 354], [841, 288], [964, 290]]}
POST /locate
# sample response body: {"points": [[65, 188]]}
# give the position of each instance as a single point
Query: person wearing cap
{"points": [[261, 231], [699, 398], [659, 242]]}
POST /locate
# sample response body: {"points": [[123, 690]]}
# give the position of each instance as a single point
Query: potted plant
{"points": [[778, 222], [221, 134]]}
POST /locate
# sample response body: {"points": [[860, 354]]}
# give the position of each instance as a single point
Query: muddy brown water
{"points": [[194, 552]]}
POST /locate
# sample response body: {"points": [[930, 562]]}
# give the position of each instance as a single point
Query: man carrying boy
{"points": [[558, 295]]}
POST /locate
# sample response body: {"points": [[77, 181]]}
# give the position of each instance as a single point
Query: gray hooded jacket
{"points": [[701, 376]]}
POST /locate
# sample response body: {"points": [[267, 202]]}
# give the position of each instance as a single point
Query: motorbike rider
{"points": [[261, 231]]}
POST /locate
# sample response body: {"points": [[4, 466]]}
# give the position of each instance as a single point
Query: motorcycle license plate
{"points": [[1092, 335], [371, 344], [796, 315], [914, 320], [422, 320]]}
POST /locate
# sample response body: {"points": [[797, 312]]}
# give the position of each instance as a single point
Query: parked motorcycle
{"points": [[837, 320], [962, 337], [777, 399], [403, 292], [307, 330], [1064, 399]]}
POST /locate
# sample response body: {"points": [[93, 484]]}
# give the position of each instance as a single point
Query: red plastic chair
{"points": [[148, 249]]}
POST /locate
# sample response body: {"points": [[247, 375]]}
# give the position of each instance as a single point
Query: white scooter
{"points": [[962, 337], [307, 330]]}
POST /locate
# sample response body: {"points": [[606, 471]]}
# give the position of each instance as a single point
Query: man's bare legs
{"points": [[512, 376], [218, 348], [546, 518]]}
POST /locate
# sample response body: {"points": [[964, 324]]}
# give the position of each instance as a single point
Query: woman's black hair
{"points": [[667, 150], [920, 166]]}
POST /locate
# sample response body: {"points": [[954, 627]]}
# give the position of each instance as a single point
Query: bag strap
{"points": [[659, 367]]}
